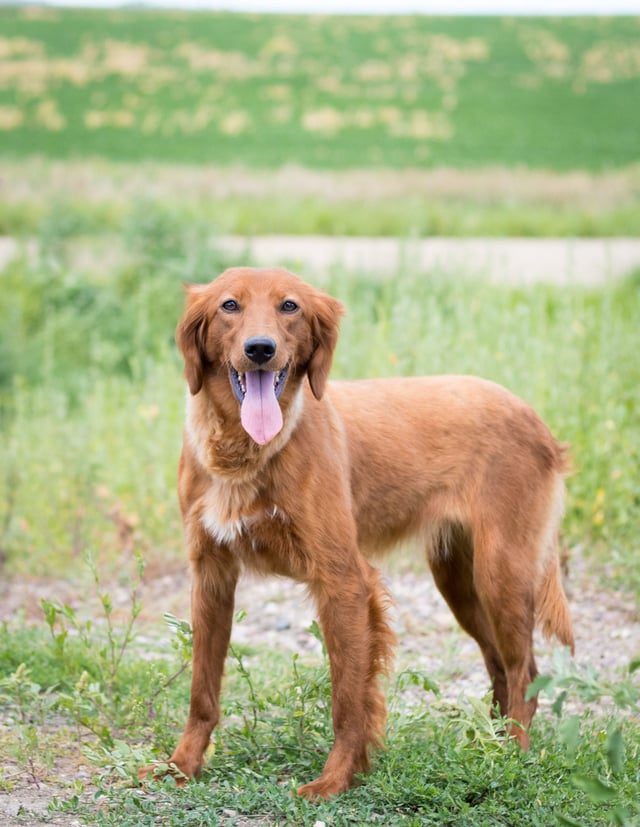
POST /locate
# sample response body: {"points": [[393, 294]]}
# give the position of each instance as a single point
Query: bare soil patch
{"points": [[513, 261], [592, 262]]}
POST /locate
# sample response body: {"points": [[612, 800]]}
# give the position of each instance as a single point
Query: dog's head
{"points": [[263, 330]]}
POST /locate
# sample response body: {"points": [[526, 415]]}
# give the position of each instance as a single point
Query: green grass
{"points": [[444, 764], [321, 91]]}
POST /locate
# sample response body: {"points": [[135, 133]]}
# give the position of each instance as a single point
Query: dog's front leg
{"points": [[352, 609], [215, 575]]}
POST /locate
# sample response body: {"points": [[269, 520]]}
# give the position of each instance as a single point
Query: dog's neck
{"points": [[222, 446]]}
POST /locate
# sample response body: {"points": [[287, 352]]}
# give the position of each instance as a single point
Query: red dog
{"points": [[284, 474]]}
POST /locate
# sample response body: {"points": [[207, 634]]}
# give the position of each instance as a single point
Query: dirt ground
{"points": [[591, 262], [515, 261]]}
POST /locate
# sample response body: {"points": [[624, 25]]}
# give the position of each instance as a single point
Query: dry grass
{"points": [[98, 180]]}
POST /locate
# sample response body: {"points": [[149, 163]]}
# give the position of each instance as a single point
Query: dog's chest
{"points": [[236, 515], [250, 528]]}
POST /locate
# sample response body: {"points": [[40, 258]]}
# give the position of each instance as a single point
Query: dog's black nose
{"points": [[260, 349]]}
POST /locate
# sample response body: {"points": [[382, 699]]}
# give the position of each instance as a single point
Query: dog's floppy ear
{"points": [[324, 326], [191, 335]]}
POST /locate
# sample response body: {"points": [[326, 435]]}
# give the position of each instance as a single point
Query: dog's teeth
{"points": [[239, 378]]}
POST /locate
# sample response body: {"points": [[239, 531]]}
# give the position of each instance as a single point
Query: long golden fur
{"points": [[332, 474]]}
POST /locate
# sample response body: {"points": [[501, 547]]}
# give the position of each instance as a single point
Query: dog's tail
{"points": [[552, 609]]}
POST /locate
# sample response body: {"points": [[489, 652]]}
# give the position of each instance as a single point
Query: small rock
{"points": [[621, 634]]}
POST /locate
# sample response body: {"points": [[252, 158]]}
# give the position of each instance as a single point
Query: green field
{"points": [[316, 124], [327, 92]]}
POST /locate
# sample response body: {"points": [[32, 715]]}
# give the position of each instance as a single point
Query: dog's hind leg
{"points": [[452, 569], [505, 580]]}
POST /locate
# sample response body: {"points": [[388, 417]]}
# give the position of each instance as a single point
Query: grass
{"points": [[400, 126], [89, 198], [329, 92], [446, 764]]}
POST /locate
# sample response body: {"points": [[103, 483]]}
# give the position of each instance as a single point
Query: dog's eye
{"points": [[288, 306], [230, 306]]}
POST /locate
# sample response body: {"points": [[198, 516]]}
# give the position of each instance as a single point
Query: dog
{"points": [[284, 473]]}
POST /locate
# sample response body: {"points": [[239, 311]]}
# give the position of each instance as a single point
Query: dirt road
{"points": [[591, 262]]}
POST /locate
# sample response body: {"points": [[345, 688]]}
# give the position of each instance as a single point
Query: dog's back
{"points": [[450, 459], [428, 449]]}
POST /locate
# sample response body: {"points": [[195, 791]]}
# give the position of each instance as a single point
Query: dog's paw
{"points": [[323, 788], [520, 735]]}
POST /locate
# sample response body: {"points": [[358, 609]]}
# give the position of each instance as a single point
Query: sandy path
{"points": [[591, 262], [606, 626]]}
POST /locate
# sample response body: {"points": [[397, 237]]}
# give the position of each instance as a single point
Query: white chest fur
{"points": [[231, 513]]}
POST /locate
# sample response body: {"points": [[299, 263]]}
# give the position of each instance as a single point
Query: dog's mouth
{"points": [[258, 392], [239, 383]]}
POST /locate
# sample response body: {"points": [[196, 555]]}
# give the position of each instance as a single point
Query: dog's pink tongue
{"points": [[260, 413]]}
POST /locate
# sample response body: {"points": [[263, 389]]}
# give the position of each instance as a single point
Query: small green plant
{"points": [[418, 679], [478, 726], [108, 657], [119, 762], [96, 699], [567, 679], [284, 722], [569, 682], [28, 707], [92, 674], [182, 644], [250, 710]]}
